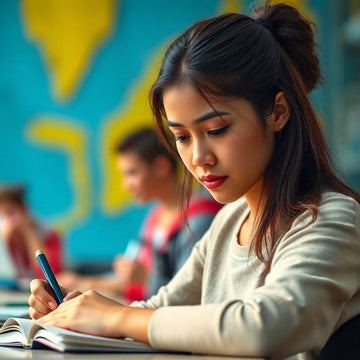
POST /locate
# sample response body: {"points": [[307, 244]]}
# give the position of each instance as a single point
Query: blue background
{"points": [[141, 28]]}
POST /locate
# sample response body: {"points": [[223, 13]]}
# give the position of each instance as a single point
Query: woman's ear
{"points": [[281, 113]]}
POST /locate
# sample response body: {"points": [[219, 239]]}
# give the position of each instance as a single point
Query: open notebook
{"points": [[31, 334]]}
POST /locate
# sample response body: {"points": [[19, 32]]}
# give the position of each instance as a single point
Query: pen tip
{"points": [[38, 252]]}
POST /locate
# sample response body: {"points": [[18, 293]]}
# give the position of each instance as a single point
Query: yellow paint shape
{"points": [[237, 6], [231, 6], [135, 114], [72, 141], [68, 34]]}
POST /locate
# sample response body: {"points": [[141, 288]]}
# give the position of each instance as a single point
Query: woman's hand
{"points": [[96, 314], [88, 312], [42, 301]]}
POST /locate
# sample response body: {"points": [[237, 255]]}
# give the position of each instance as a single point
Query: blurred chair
{"points": [[344, 343]]}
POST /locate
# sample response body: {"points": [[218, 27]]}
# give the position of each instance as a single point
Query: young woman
{"points": [[278, 270]]}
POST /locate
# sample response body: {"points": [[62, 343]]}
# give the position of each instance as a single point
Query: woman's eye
{"points": [[218, 131], [181, 138]]}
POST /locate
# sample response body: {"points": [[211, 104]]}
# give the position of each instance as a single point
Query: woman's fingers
{"points": [[41, 296], [42, 300], [88, 312], [72, 295], [37, 314], [38, 307]]}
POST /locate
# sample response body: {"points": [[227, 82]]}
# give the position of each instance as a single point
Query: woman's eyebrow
{"points": [[202, 118]]}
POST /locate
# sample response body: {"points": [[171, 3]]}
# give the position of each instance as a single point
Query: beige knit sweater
{"points": [[218, 304]]}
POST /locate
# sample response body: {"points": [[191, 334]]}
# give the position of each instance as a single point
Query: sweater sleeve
{"points": [[312, 287]]}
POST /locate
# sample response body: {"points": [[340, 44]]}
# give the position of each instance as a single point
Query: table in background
{"points": [[13, 303], [14, 297]]}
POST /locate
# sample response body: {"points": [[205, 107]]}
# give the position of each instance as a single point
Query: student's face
{"points": [[11, 213], [139, 177], [227, 154]]}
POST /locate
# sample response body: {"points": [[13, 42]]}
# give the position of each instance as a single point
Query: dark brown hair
{"points": [[254, 57], [14, 194], [147, 145]]}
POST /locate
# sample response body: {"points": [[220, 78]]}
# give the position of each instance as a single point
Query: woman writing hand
{"points": [[73, 313]]}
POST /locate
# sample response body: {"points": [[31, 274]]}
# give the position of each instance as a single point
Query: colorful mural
{"points": [[70, 139], [60, 28], [74, 79]]}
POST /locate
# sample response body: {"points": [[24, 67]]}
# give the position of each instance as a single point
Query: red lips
{"points": [[213, 181]]}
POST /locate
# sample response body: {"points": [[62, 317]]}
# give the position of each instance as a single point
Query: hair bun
{"points": [[295, 34]]}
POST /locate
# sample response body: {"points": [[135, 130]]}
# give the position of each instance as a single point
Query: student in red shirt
{"points": [[23, 235]]}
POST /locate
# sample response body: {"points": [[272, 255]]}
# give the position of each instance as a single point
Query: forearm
{"points": [[133, 322], [95, 314]]}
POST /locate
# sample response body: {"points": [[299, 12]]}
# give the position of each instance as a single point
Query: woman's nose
{"points": [[202, 154]]}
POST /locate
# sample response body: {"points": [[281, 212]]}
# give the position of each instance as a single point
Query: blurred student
{"points": [[150, 173], [23, 235]]}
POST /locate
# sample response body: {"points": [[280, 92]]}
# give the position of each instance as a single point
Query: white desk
{"points": [[17, 353], [15, 297]]}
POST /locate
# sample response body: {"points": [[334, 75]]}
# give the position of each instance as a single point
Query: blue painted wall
{"points": [[140, 29]]}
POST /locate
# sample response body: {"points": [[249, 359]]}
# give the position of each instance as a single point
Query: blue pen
{"points": [[49, 275]]}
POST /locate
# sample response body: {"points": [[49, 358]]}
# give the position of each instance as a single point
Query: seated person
{"points": [[150, 173], [24, 235], [278, 271]]}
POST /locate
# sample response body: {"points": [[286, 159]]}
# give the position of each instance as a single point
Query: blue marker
{"points": [[49, 275]]}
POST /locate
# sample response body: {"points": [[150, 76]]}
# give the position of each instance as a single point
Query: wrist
{"points": [[127, 321]]}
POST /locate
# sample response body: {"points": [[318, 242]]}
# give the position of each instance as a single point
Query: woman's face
{"points": [[138, 176], [226, 150]]}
